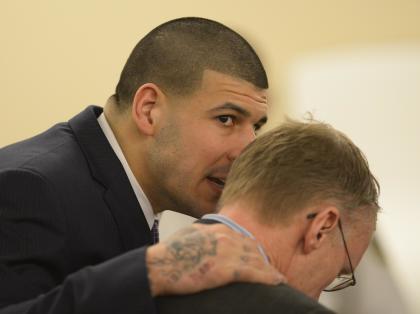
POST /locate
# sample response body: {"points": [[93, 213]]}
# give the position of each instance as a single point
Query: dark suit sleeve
{"points": [[32, 246], [116, 286]]}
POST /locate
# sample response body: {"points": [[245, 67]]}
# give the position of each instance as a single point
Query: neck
{"points": [[131, 143], [278, 240], [125, 132]]}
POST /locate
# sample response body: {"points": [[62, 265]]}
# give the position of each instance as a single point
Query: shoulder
{"points": [[243, 298], [286, 298], [45, 167], [40, 149]]}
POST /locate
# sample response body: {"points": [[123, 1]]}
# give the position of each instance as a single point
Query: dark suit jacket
{"points": [[66, 207], [242, 298]]}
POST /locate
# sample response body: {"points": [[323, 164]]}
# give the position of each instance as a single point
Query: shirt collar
{"points": [[236, 227], [138, 191]]}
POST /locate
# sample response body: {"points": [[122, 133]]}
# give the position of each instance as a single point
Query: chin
{"points": [[200, 210], [316, 296], [313, 294], [205, 210]]}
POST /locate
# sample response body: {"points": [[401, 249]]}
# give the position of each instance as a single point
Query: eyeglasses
{"points": [[345, 280]]}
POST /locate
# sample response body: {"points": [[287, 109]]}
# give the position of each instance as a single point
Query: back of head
{"points": [[298, 165], [175, 54]]}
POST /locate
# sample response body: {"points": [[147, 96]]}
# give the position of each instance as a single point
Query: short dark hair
{"points": [[301, 164], [175, 54]]}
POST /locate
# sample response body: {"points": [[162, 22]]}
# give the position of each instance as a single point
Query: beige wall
{"points": [[59, 56], [372, 94]]}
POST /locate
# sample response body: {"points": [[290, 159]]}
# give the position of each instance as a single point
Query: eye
{"points": [[259, 124], [257, 127], [226, 120]]}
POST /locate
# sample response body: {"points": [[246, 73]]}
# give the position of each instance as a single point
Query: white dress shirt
{"points": [[141, 197]]}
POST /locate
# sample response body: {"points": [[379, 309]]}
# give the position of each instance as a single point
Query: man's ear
{"points": [[147, 108], [320, 226]]}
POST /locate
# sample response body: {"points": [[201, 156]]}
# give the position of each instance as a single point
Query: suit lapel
{"points": [[108, 171]]}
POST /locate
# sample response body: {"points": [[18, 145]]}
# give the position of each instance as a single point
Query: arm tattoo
{"points": [[185, 254]]}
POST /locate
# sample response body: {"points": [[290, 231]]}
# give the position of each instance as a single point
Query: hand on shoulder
{"points": [[202, 257]]}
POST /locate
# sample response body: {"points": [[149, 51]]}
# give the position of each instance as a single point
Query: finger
{"points": [[254, 260], [268, 276]]}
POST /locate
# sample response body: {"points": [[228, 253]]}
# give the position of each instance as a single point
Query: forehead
{"points": [[214, 80], [217, 86]]}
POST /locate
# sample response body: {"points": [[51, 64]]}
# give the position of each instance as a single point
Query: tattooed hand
{"points": [[203, 257]]}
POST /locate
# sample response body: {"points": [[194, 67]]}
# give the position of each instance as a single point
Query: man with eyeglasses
{"points": [[304, 191]]}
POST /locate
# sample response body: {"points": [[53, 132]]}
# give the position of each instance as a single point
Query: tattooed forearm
{"points": [[184, 255]]}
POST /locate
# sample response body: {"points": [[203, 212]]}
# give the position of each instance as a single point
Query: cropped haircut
{"points": [[300, 164], [175, 54]]}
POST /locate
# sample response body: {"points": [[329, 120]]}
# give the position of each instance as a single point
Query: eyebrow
{"points": [[239, 110]]}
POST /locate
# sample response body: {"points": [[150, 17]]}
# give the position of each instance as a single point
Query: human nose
{"points": [[243, 139]]}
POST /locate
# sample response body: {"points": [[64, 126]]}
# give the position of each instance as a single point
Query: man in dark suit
{"points": [[304, 191], [79, 202]]}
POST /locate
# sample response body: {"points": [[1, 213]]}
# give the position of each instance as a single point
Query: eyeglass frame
{"points": [[349, 281]]}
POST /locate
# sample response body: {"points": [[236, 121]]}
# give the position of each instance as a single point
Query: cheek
{"points": [[359, 245], [359, 250], [303, 275], [329, 267], [194, 162], [207, 148]]}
